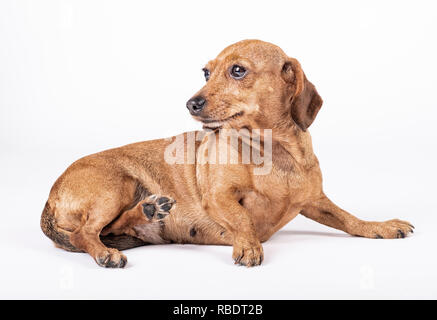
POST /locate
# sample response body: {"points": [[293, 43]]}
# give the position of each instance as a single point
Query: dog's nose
{"points": [[196, 104]]}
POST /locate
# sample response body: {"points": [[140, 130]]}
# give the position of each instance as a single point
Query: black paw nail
{"points": [[122, 263], [102, 261], [238, 260], [111, 264], [401, 234]]}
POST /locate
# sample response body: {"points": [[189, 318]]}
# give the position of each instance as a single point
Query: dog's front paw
{"points": [[390, 229], [248, 253], [157, 208]]}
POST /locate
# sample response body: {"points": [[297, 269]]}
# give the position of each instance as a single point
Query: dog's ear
{"points": [[305, 101]]}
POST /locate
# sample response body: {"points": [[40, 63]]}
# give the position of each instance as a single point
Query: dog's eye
{"points": [[237, 72], [206, 73]]}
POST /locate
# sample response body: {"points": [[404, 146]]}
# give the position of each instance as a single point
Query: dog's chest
{"points": [[267, 202], [277, 198]]}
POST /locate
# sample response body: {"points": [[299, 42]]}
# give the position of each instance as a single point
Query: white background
{"points": [[77, 77]]}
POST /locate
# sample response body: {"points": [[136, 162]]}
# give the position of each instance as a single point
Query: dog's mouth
{"points": [[214, 124]]}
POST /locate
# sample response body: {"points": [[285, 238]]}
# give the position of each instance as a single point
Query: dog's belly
{"points": [[189, 223]]}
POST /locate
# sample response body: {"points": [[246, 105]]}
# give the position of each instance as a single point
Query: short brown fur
{"points": [[98, 199]]}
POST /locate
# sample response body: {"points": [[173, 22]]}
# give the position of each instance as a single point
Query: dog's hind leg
{"points": [[144, 220], [86, 237], [327, 213]]}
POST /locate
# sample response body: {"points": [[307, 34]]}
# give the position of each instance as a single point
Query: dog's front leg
{"points": [[229, 213], [326, 212]]}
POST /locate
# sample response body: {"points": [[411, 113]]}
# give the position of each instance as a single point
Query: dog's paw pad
{"points": [[157, 208], [164, 204], [149, 210]]}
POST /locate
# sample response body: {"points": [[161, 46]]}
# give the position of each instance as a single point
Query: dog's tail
{"points": [[61, 238]]}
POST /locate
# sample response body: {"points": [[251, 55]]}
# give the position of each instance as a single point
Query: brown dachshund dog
{"points": [[135, 195]]}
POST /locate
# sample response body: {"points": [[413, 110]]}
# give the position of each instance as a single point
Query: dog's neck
{"points": [[294, 142]]}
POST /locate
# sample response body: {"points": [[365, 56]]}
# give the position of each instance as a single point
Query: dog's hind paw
{"points": [[111, 258], [156, 207]]}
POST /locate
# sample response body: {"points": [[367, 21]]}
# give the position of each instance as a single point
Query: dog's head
{"points": [[254, 84]]}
